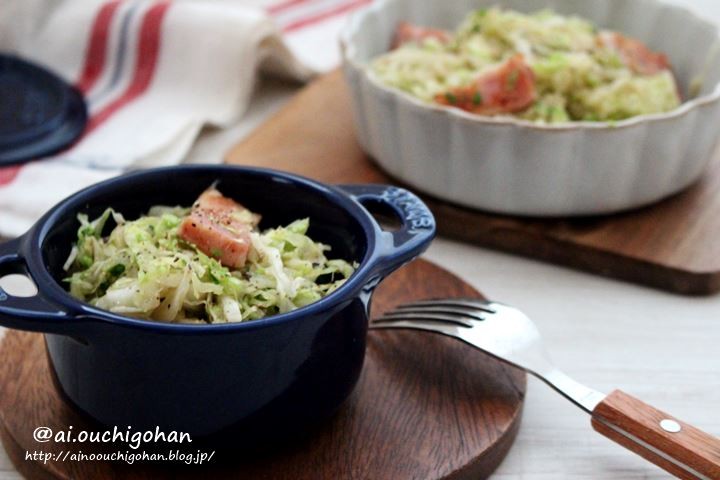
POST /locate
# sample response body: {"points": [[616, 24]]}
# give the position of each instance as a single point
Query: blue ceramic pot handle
{"points": [[26, 313], [416, 231]]}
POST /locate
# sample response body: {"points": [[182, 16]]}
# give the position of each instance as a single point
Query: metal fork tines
{"points": [[466, 303], [502, 331], [508, 334]]}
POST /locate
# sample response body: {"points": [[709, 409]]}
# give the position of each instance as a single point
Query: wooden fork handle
{"points": [[679, 448]]}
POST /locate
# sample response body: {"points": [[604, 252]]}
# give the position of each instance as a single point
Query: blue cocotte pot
{"points": [[284, 371]]}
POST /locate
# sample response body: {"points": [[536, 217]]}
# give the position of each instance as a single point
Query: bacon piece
{"points": [[635, 54], [407, 32], [220, 228], [508, 88]]}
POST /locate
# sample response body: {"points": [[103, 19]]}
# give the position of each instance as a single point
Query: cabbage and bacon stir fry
{"points": [[207, 264], [541, 67]]}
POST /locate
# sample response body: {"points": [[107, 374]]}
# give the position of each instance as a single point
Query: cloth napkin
{"points": [[154, 72]]}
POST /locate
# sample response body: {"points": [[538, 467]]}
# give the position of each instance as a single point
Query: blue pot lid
{"points": [[40, 114]]}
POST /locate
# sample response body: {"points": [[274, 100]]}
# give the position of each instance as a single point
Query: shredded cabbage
{"points": [[576, 76], [144, 269]]}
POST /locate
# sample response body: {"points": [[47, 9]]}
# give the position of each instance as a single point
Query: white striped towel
{"points": [[154, 72]]}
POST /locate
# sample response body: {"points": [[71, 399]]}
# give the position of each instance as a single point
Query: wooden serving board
{"points": [[426, 407], [674, 245]]}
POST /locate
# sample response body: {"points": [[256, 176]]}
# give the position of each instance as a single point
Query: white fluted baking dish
{"points": [[512, 166]]}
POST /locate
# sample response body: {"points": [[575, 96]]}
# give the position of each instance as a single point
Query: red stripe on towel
{"points": [[282, 6], [148, 53], [96, 52], [8, 174], [339, 10]]}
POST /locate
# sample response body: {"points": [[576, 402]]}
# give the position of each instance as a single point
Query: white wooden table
{"points": [[661, 347]]}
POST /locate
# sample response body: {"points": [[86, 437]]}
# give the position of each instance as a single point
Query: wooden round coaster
{"points": [[426, 407]]}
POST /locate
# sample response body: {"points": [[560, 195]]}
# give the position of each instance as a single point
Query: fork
{"points": [[509, 335]]}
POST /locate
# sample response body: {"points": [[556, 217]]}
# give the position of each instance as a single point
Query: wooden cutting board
{"points": [[674, 245], [426, 407]]}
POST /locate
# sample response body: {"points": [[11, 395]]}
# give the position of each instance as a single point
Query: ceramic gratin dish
{"points": [[511, 166], [261, 378]]}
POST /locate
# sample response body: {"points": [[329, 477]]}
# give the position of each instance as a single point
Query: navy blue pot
{"points": [[287, 370]]}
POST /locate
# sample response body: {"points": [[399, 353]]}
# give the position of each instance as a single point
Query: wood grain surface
{"points": [[690, 446], [426, 407], [672, 245]]}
